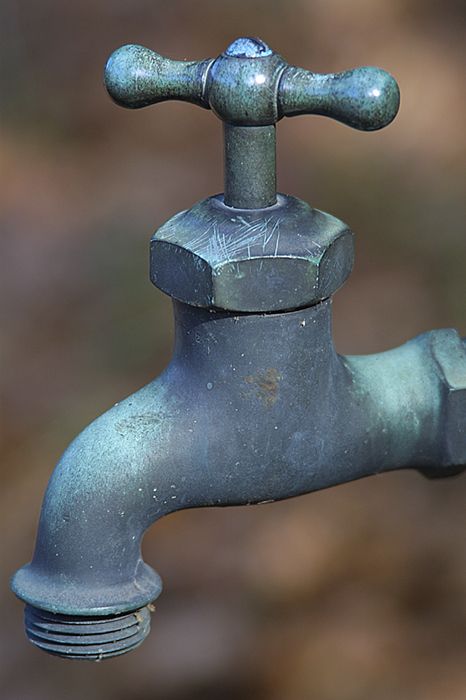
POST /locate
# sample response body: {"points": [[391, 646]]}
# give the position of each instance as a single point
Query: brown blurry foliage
{"points": [[356, 593]]}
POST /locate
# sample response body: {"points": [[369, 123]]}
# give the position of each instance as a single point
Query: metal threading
{"points": [[86, 637]]}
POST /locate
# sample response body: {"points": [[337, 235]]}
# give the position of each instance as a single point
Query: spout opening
{"points": [[86, 637]]}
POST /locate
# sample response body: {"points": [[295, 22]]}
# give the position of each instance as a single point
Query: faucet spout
{"points": [[252, 408], [87, 566]]}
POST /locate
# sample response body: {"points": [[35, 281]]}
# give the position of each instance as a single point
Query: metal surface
{"points": [[251, 85], [89, 638], [254, 407], [250, 88], [253, 186], [272, 259]]}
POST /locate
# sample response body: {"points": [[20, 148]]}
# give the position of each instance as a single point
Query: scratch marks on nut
{"points": [[225, 241]]}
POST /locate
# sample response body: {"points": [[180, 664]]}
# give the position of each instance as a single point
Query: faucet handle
{"points": [[364, 98], [137, 77], [251, 85]]}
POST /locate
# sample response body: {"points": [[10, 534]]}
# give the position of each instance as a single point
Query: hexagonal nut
{"points": [[449, 352], [251, 260]]}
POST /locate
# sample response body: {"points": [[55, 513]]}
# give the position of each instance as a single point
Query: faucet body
{"points": [[256, 404], [252, 408]]}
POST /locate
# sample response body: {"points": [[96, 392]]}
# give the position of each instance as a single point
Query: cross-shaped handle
{"points": [[249, 85]]}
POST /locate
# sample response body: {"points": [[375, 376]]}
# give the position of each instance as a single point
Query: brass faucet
{"points": [[256, 405]]}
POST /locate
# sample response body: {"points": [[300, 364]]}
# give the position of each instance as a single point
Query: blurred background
{"points": [[355, 593]]}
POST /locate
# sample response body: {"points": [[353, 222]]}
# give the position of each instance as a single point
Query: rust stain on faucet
{"points": [[265, 385]]}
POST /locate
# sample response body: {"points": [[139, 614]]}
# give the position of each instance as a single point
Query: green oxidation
{"points": [[137, 77], [223, 402], [449, 352], [364, 98], [450, 355], [249, 86], [399, 384], [103, 470], [423, 380], [254, 406]]}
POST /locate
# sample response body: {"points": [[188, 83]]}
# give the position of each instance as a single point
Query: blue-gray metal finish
{"points": [[269, 254], [272, 259], [249, 85], [255, 406]]}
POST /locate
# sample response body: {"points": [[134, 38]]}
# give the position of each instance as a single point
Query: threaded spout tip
{"points": [[86, 637]]}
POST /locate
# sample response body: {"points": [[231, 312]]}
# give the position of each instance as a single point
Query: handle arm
{"points": [[365, 98], [137, 77]]}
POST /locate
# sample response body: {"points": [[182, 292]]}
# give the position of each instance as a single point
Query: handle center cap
{"points": [[248, 47]]}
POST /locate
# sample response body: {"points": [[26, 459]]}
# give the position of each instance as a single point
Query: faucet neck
{"points": [[216, 345]]}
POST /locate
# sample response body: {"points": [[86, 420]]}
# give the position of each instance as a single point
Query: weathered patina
{"points": [[256, 404]]}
